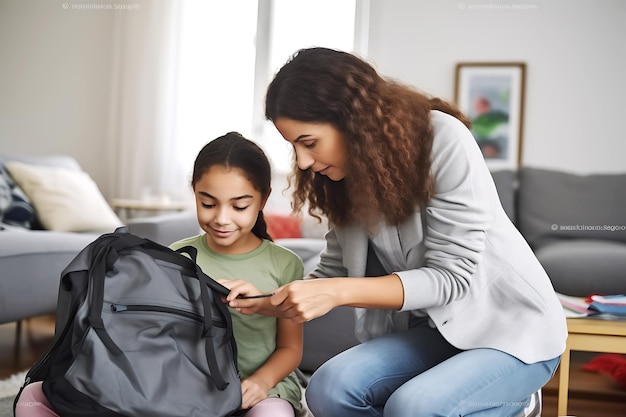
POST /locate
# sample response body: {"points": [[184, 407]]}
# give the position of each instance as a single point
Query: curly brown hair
{"points": [[387, 130]]}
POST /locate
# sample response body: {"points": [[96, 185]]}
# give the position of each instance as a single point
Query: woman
{"points": [[457, 315]]}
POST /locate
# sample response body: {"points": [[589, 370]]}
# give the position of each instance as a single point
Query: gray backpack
{"points": [[140, 331]]}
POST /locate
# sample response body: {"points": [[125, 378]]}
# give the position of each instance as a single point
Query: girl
{"points": [[459, 316], [231, 183]]}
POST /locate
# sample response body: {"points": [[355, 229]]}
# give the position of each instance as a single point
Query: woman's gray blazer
{"points": [[472, 271]]}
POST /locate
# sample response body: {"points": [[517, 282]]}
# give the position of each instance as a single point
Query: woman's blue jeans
{"points": [[417, 373]]}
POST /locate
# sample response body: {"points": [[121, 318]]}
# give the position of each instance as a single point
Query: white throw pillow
{"points": [[65, 200]]}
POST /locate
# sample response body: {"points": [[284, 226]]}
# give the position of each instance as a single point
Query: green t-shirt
{"points": [[267, 267]]}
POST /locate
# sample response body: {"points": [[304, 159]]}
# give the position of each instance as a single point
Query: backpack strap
{"points": [[213, 284], [207, 282], [105, 256]]}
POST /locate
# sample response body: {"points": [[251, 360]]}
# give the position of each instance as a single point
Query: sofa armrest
{"points": [[166, 228]]}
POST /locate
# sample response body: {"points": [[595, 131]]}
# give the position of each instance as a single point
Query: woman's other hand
{"points": [[298, 301], [301, 301]]}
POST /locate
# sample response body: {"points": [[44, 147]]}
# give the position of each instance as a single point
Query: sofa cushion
{"points": [[327, 336], [65, 199], [555, 204], [15, 207], [581, 267], [505, 184]]}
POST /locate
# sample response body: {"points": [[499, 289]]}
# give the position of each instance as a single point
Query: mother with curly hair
{"points": [[456, 315]]}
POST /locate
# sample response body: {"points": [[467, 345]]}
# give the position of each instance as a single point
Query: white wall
{"points": [[55, 67], [575, 52]]}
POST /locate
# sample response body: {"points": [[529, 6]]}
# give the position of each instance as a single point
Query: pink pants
{"points": [[33, 403]]}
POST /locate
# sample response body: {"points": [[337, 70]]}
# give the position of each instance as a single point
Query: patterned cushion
{"points": [[15, 207]]}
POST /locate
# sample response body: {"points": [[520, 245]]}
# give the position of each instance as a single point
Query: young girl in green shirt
{"points": [[231, 183]]}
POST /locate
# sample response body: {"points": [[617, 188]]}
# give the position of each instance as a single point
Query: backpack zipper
{"points": [[121, 308]]}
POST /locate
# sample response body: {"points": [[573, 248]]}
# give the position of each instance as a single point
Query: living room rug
{"points": [[8, 390], [6, 406]]}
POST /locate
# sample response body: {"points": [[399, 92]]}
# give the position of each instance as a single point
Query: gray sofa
{"points": [[31, 260], [576, 225]]}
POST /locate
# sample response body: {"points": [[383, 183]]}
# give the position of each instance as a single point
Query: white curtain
{"points": [[183, 75], [187, 71], [143, 105]]}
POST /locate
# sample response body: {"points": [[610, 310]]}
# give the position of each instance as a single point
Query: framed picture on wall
{"points": [[491, 95]]}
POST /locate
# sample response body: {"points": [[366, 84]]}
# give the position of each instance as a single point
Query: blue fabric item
{"points": [[618, 310], [15, 207]]}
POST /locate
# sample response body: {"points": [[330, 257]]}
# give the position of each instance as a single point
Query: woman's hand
{"points": [[298, 301], [302, 301]]}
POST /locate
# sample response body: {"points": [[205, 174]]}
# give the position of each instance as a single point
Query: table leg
{"points": [[563, 383]]}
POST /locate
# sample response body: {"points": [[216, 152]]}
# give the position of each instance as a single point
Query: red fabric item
{"points": [[610, 364], [281, 226]]}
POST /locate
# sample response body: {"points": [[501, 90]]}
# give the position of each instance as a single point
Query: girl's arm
{"points": [[278, 366]]}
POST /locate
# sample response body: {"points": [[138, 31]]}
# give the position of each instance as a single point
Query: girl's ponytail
{"points": [[260, 227]]}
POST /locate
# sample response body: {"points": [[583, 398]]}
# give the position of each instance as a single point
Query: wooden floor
{"points": [[591, 394]]}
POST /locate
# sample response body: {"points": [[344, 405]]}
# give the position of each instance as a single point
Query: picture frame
{"points": [[491, 95]]}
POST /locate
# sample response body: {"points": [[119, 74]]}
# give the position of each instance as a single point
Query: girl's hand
{"points": [[252, 392], [238, 287], [244, 289]]}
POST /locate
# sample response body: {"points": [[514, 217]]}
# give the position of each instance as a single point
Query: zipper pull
{"points": [[116, 308]]}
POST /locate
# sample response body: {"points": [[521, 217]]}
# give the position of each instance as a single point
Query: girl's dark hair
{"points": [[387, 130], [234, 151]]}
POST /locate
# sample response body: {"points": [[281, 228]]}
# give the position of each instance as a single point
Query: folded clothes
{"points": [[616, 309]]}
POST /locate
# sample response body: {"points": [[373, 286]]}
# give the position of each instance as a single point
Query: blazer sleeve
{"points": [[331, 258], [457, 218]]}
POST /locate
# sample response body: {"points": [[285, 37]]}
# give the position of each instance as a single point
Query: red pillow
{"points": [[281, 226]]}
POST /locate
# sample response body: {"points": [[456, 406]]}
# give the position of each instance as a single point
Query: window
{"points": [[287, 27], [215, 73], [229, 52]]}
